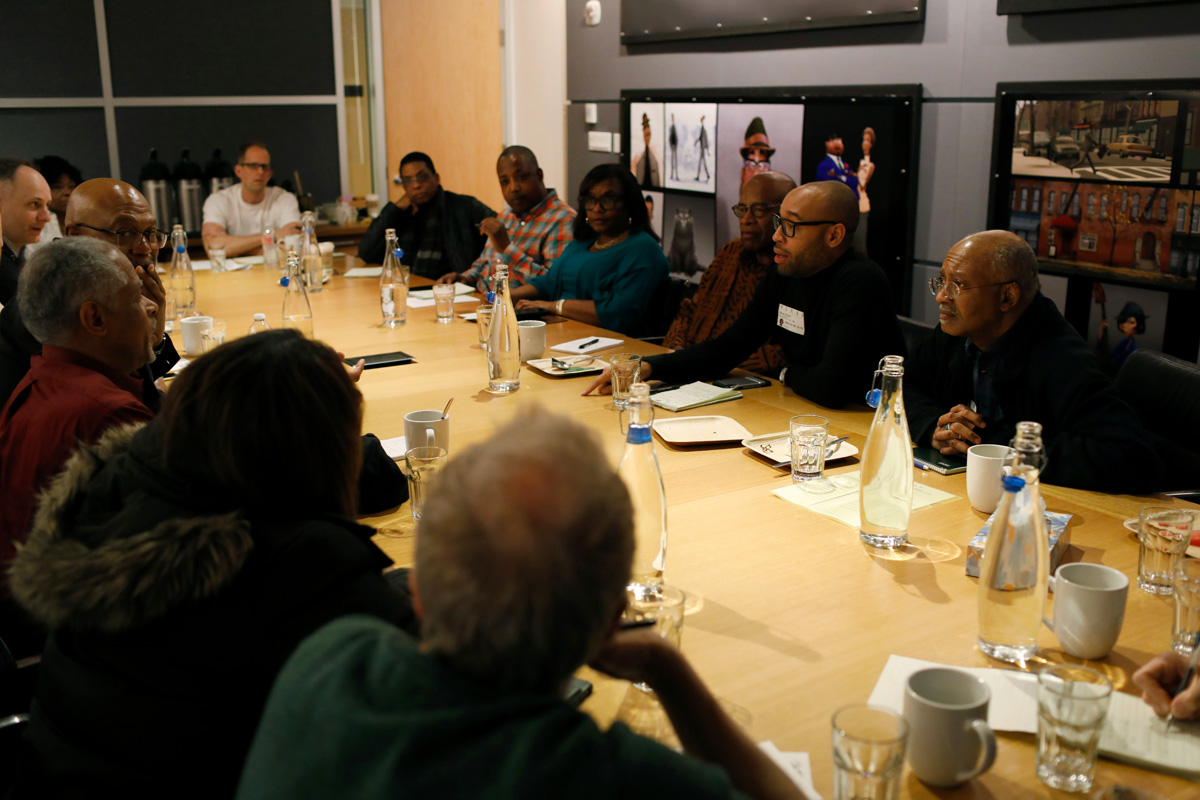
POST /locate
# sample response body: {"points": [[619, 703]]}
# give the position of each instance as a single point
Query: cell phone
{"points": [[749, 382], [382, 360], [928, 458], [578, 690], [531, 313]]}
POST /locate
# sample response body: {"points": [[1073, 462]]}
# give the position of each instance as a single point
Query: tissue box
{"points": [[1057, 528]]}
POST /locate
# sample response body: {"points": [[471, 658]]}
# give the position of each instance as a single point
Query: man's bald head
{"points": [[762, 195], [988, 279], [772, 186], [102, 206], [824, 215], [1008, 257]]}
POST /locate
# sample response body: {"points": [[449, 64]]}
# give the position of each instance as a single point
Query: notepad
{"points": [[693, 395], [1132, 732], [588, 344], [421, 302], [836, 496], [364, 272], [427, 294]]}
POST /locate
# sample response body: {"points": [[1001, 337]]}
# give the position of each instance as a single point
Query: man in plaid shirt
{"points": [[529, 234]]}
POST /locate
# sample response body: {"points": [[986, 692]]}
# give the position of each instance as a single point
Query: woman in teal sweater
{"points": [[609, 274]]}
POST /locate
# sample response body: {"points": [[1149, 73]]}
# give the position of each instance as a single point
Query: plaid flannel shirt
{"points": [[534, 241]]}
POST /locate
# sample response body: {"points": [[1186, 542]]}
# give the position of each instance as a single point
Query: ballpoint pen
{"points": [[1187, 675], [589, 343]]}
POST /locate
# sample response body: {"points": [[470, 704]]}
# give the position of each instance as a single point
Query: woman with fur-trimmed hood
{"points": [[177, 565]]}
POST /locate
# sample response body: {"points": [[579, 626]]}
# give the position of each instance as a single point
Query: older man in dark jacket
{"points": [[437, 230], [1003, 354]]}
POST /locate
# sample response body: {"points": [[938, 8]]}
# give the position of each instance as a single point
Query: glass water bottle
{"points": [[886, 490], [639, 470], [504, 354], [393, 283], [1016, 559], [181, 281], [297, 312], [310, 252]]}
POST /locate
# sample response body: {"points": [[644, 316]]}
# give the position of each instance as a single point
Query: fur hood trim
{"points": [[124, 581]]}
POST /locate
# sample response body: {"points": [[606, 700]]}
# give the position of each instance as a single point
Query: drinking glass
{"points": [[423, 464], [214, 337], [443, 300], [216, 257], [660, 604], [1164, 534], [1072, 704], [626, 367], [809, 434], [483, 315], [1186, 623], [868, 752]]}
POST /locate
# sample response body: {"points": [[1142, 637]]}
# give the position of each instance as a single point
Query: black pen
{"points": [[1188, 674], [589, 343]]}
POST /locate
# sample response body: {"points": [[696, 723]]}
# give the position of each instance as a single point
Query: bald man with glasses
{"points": [[117, 213], [1001, 354], [235, 217], [829, 308]]}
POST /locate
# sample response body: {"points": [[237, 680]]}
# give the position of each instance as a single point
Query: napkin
{"points": [[577, 346]]}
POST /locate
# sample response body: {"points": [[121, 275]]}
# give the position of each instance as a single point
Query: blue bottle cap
{"points": [[398, 253], [491, 297], [180, 248], [873, 397], [1012, 483], [284, 281]]}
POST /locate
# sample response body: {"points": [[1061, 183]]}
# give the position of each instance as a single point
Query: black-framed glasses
{"points": [[255, 165], [128, 239], [789, 225], [954, 287], [757, 210], [420, 177], [608, 202]]}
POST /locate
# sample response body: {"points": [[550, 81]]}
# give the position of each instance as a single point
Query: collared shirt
{"points": [[65, 398], [534, 241], [985, 365], [725, 290]]}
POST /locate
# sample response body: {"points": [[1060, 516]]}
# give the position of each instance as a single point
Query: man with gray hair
{"points": [[82, 300], [523, 553], [1003, 354]]}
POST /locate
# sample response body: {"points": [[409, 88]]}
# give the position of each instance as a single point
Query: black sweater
{"points": [[849, 324]]}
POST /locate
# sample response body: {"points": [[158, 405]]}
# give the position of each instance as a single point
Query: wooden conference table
{"points": [[792, 616]]}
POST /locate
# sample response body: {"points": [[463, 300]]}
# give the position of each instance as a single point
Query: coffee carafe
{"points": [[155, 179], [218, 173], [187, 177]]}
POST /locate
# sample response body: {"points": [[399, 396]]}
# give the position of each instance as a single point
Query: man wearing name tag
{"points": [[1003, 353], [828, 307]]}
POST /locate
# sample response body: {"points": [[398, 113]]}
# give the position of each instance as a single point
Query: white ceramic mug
{"points": [[1089, 608], [985, 466], [531, 336], [949, 741], [192, 329], [427, 429]]}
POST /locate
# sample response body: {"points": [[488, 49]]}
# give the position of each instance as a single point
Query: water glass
{"points": [[1164, 534], [214, 337], [483, 315], [660, 604], [626, 369], [423, 464], [443, 300], [216, 257], [1072, 704], [1186, 623], [868, 753], [809, 434]]}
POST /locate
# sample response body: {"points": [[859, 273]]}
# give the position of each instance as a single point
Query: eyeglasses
{"points": [[127, 239], [255, 166], [954, 287], [789, 225], [758, 210], [607, 202], [420, 177]]}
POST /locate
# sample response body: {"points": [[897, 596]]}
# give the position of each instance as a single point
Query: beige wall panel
{"points": [[441, 64]]}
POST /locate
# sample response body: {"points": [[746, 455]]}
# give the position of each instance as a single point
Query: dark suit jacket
{"points": [[9, 271]]}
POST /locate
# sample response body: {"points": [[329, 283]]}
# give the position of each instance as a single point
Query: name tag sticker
{"points": [[791, 319]]}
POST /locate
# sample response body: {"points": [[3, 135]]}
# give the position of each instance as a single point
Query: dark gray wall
{"points": [[959, 54]]}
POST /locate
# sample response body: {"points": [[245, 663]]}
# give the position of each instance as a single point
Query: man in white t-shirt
{"points": [[234, 218]]}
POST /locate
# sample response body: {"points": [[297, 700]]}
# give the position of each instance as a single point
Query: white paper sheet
{"points": [[576, 345], [363, 272], [395, 448], [836, 496], [419, 302], [796, 765], [1132, 732], [693, 395], [427, 294]]}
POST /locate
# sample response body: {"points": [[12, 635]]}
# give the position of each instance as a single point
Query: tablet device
{"points": [[746, 382], [531, 313], [928, 458], [382, 360]]}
